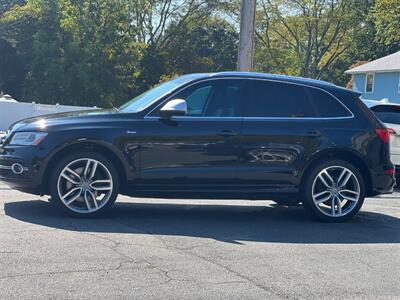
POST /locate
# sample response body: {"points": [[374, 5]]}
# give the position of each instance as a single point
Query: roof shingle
{"points": [[390, 63]]}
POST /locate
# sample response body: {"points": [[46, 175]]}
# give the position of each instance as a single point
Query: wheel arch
{"points": [[94, 146], [343, 154]]}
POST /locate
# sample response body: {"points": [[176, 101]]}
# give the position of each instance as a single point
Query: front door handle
{"points": [[314, 133], [227, 133]]}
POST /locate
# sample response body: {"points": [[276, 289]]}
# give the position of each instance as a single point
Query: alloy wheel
{"points": [[85, 185], [336, 191]]}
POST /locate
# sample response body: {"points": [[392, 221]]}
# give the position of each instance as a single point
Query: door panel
{"points": [[273, 151], [201, 148], [184, 151], [280, 130]]}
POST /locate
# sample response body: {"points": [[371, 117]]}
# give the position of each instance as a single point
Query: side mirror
{"points": [[176, 107]]}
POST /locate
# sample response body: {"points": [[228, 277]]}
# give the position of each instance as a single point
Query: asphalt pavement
{"points": [[197, 249]]}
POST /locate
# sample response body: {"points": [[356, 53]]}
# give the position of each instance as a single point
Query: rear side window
{"points": [[286, 100], [387, 113], [278, 100], [325, 105]]}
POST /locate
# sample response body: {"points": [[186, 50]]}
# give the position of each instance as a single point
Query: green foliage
{"points": [[208, 47], [386, 15], [319, 38], [304, 37], [12, 70], [103, 52]]}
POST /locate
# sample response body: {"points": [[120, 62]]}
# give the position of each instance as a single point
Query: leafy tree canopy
{"points": [[103, 52]]}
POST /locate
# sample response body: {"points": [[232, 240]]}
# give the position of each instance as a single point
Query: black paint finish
{"points": [[218, 156]]}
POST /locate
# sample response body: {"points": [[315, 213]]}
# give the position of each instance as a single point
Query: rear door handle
{"points": [[314, 133], [227, 133]]}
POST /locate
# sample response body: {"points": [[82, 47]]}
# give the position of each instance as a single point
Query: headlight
{"points": [[27, 138]]}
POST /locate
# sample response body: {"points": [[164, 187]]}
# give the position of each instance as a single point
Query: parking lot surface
{"points": [[197, 249]]}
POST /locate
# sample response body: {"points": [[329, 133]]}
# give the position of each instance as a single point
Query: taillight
{"points": [[390, 172], [383, 134]]}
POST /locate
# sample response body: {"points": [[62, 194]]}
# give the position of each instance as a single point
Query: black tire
{"points": [[56, 173], [311, 206]]}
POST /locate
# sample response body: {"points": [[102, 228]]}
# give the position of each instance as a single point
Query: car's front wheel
{"points": [[334, 191], [84, 184]]}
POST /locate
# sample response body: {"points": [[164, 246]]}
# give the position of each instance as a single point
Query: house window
{"points": [[369, 83]]}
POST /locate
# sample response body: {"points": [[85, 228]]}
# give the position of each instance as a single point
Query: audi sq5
{"points": [[223, 135]]}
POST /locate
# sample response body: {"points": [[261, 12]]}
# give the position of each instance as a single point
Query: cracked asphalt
{"points": [[197, 249]]}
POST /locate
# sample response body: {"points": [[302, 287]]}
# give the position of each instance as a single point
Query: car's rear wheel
{"points": [[84, 184], [334, 191]]}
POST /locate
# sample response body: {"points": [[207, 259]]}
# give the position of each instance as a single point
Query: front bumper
{"points": [[29, 178]]}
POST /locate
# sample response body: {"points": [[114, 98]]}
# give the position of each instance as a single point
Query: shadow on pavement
{"points": [[228, 223]]}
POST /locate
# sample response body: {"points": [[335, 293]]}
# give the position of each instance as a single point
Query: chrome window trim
{"points": [[183, 118], [351, 116]]}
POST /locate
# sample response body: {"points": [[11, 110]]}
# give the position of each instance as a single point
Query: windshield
{"points": [[146, 99]]}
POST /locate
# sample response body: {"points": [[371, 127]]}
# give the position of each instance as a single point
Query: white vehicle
{"points": [[389, 114]]}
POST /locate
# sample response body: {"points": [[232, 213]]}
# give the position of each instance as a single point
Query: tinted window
{"points": [[285, 100], [148, 98], [196, 100], [277, 99], [387, 113], [219, 98], [325, 105]]}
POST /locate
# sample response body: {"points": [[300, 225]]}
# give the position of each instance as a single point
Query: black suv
{"points": [[223, 135]]}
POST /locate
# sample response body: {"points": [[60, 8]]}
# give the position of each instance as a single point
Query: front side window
{"points": [[219, 98], [197, 99], [148, 98], [369, 83]]}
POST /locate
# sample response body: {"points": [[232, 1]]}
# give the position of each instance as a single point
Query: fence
{"points": [[11, 112]]}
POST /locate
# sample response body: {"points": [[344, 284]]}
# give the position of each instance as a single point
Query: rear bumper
{"points": [[383, 184], [397, 176], [382, 181]]}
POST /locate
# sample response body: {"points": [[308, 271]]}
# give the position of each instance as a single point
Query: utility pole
{"points": [[246, 40]]}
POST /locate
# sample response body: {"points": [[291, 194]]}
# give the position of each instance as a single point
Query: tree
{"points": [[103, 52], [365, 44], [15, 45], [303, 37], [209, 47], [82, 52], [99, 52], [159, 24], [386, 15], [12, 73]]}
